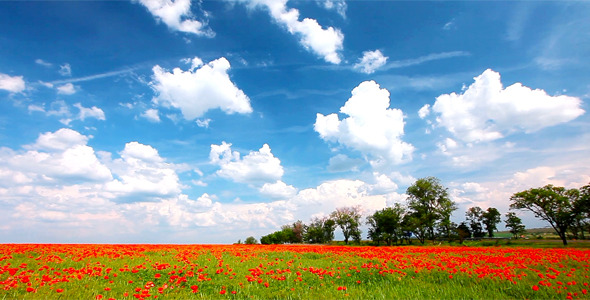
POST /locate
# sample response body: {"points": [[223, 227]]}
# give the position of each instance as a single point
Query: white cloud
{"points": [[423, 59], [65, 70], [61, 109], [93, 112], [60, 156], [323, 42], [141, 170], [371, 61], [177, 16], [204, 123], [424, 111], [66, 89], [371, 126], [196, 91], [337, 5], [152, 115], [256, 167], [60, 140], [43, 63], [13, 84], [486, 111], [278, 190]]}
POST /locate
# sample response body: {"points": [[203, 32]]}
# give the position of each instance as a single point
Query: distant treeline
{"points": [[427, 212]]}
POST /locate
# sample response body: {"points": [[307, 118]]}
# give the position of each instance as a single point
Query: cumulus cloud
{"points": [[371, 126], [278, 190], [487, 111], [256, 167], [61, 156], [13, 84], [66, 89], [151, 115], [424, 111], [323, 42], [92, 112], [176, 14], [199, 89], [371, 61], [141, 170]]}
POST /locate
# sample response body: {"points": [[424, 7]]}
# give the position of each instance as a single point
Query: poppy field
{"points": [[42, 271]]}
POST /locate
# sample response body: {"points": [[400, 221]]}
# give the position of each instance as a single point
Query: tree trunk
{"points": [[563, 236]]}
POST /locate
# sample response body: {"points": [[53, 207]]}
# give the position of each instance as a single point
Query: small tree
{"points": [[475, 215], [348, 219], [557, 205], [515, 224], [463, 232], [385, 224], [490, 219], [319, 231], [251, 241]]}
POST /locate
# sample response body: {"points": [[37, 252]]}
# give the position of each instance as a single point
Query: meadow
{"points": [[55, 271]]}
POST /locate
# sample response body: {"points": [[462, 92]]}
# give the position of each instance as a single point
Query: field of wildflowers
{"points": [[54, 271]]}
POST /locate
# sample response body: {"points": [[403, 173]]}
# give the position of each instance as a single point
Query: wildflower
{"points": [[535, 287], [59, 290]]}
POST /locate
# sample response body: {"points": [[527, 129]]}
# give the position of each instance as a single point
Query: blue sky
{"points": [[207, 122]]}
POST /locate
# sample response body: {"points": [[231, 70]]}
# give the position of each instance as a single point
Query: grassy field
{"points": [[291, 272]]}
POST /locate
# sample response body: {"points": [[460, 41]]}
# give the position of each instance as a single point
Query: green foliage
{"points": [[463, 232], [251, 241], [429, 204], [475, 215], [490, 219], [386, 224], [348, 219], [515, 224], [320, 231], [559, 206]]}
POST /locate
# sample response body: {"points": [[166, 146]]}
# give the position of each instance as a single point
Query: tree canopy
{"points": [[559, 206], [429, 205]]}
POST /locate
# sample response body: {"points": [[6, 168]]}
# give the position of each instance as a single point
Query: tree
{"points": [[250, 241], [348, 219], [490, 219], [385, 224], [429, 204], [320, 231], [474, 216], [515, 224], [557, 205], [463, 232]]}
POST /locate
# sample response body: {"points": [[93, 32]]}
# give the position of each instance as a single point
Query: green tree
{"points": [[557, 205], [490, 219], [385, 224], [319, 231], [475, 215], [348, 219], [515, 224], [250, 241], [463, 232], [429, 204]]}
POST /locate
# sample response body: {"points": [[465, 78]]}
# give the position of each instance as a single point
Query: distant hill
{"points": [[535, 230]]}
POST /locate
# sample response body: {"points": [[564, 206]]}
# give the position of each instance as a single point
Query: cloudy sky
{"points": [[154, 121]]}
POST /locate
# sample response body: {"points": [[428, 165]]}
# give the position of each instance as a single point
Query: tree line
{"points": [[426, 215]]}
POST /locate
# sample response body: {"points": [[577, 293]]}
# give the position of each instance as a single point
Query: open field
{"points": [[291, 272]]}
